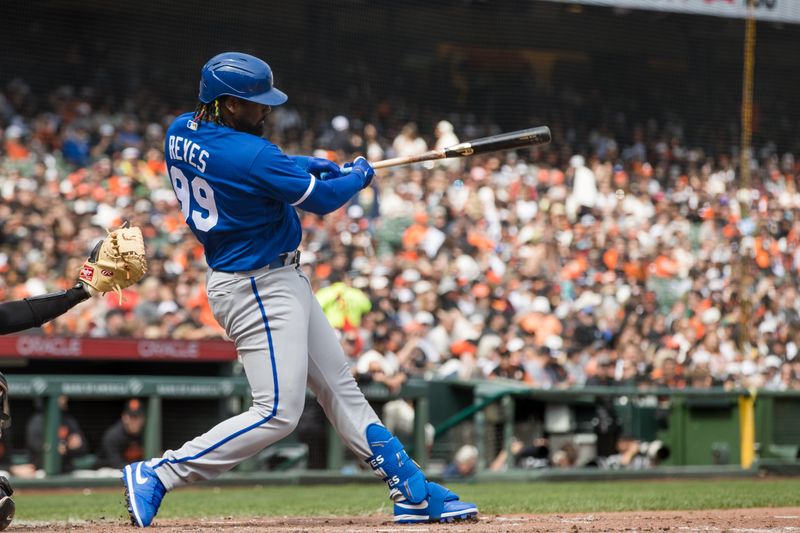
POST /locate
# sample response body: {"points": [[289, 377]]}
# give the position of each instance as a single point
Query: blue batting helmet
{"points": [[240, 75]]}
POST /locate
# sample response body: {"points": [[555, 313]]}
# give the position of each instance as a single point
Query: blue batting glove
{"points": [[361, 167], [318, 166], [323, 168]]}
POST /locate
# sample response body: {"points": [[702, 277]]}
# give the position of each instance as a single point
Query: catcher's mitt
{"points": [[117, 262]]}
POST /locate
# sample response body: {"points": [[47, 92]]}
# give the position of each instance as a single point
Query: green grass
{"points": [[559, 497]]}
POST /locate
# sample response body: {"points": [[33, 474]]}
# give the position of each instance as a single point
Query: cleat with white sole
{"points": [[441, 505], [143, 493]]}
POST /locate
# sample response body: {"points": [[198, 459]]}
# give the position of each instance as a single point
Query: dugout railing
{"points": [[729, 429], [707, 427], [155, 390]]}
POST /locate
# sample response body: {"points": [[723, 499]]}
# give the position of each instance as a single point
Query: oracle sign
{"points": [[165, 349], [41, 347], [49, 346]]}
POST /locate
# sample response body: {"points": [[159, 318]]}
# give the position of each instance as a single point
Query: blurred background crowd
{"points": [[621, 254]]}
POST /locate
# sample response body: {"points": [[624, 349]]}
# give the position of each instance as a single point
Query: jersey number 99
{"points": [[203, 196]]}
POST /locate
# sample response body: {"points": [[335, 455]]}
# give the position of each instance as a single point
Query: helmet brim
{"points": [[272, 97]]}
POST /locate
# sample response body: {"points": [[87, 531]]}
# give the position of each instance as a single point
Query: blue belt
{"points": [[285, 259]]}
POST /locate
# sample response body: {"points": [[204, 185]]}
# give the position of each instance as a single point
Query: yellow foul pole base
{"points": [[747, 430]]}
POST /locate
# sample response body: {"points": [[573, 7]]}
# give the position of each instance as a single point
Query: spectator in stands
{"points": [[464, 463], [584, 193], [537, 360], [372, 146], [575, 366], [532, 455], [604, 372], [586, 331], [460, 362], [633, 454], [122, 442], [70, 443], [700, 378], [338, 137], [628, 456], [509, 365], [409, 142], [375, 367], [788, 378], [556, 373], [446, 137], [147, 309], [343, 304], [566, 456], [415, 355], [667, 372], [117, 324]]}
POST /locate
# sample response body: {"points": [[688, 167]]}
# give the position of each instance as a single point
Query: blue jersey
{"points": [[237, 191]]}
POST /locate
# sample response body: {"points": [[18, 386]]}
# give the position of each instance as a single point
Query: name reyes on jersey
{"points": [[181, 149]]}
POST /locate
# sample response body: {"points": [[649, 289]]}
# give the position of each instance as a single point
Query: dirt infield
{"points": [[734, 521]]}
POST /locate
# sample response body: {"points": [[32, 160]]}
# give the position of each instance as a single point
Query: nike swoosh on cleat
{"points": [[423, 505], [139, 479]]}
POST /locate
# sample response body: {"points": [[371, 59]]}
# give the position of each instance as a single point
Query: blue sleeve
{"points": [[300, 160], [278, 177], [330, 195]]}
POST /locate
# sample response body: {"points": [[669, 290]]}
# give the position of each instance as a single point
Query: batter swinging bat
{"points": [[504, 141]]}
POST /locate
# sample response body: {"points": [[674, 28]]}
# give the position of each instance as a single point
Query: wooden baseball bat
{"points": [[504, 141]]}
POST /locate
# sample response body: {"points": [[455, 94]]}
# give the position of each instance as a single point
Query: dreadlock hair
{"points": [[208, 112]]}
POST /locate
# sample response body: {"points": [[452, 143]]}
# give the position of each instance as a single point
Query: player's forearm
{"points": [[330, 195], [32, 312], [301, 161]]}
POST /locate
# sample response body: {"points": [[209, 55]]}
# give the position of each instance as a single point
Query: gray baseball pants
{"points": [[284, 342]]}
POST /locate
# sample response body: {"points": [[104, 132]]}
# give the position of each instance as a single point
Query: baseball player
{"points": [[238, 193], [109, 267]]}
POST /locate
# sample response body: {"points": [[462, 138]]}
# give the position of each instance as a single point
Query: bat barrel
{"points": [[503, 141]]}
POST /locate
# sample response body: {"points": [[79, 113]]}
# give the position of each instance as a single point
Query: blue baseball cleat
{"points": [[441, 505], [143, 492]]}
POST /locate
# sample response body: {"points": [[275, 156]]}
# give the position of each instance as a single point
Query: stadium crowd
{"points": [[606, 258]]}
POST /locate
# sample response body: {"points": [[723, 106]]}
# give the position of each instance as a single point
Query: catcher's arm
{"points": [[19, 315]]}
